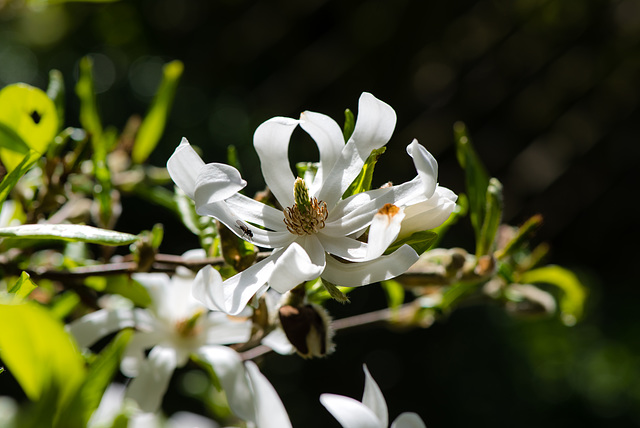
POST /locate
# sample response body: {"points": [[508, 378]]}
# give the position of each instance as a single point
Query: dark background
{"points": [[549, 91]]}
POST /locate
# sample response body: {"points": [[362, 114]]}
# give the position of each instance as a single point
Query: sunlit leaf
{"points": [[38, 351], [154, 122], [10, 180], [574, 293], [68, 232], [23, 287], [362, 183], [99, 376], [419, 241], [349, 124], [28, 120], [394, 291]]}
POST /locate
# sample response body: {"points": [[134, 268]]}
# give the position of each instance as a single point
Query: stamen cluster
{"points": [[308, 222]]}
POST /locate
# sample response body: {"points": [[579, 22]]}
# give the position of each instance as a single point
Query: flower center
{"points": [[188, 327], [308, 215]]}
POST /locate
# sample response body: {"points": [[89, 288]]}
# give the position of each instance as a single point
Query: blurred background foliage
{"points": [[549, 90]]}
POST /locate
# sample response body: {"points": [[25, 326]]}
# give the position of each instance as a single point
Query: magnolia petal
{"points": [[184, 166], [278, 341], [232, 295], [230, 371], [171, 299], [263, 238], [134, 354], [217, 182], [344, 247], [383, 230], [428, 214], [148, 388], [426, 165], [271, 141], [349, 412], [301, 261], [373, 398], [408, 420], [328, 136], [270, 412], [96, 325], [339, 178], [374, 125], [256, 212], [363, 273], [222, 329]]}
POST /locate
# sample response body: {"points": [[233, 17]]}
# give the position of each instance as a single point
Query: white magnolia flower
{"points": [[172, 329], [371, 412], [316, 233]]}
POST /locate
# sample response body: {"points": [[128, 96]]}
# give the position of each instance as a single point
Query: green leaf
{"points": [[492, 218], [10, 180], [394, 291], [23, 287], [39, 352], [419, 241], [89, 117], [572, 302], [362, 183], [349, 124], [28, 120], [68, 232], [153, 124], [477, 179], [99, 376]]}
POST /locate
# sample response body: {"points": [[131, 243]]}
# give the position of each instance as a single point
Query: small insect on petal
{"points": [[246, 232]]}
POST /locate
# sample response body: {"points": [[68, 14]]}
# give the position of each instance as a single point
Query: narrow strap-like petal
{"points": [[230, 371], [148, 388], [428, 214], [374, 125], [301, 261], [257, 213], [96, 325], [271, 141], [270, 412], [383, 230], [134, 354], [232, 295], [357, 274], [373, 398], [184, 166], [328, 136], [344, 247], [426, 165], [349, 412]]}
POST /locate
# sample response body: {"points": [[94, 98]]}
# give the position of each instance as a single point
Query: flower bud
{"points": [[308, 328]]}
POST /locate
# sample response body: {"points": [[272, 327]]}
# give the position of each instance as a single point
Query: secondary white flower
{"points": [[371, 412], [172, 329], [316, 234]]}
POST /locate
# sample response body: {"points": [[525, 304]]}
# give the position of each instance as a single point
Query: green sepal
{"points": [[349, 124], [362, 183], [68, 232], [574, 293], [153, 125], [335, 292], [419, 241]]}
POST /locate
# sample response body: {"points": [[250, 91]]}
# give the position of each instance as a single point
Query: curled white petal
{"points": [[349, 412], [426, 165], [148, 388], [428, 214], [357, 274], [374, 125], [184, 166], [271, 141], [298, 264], [217, 182], [383, 230]]}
